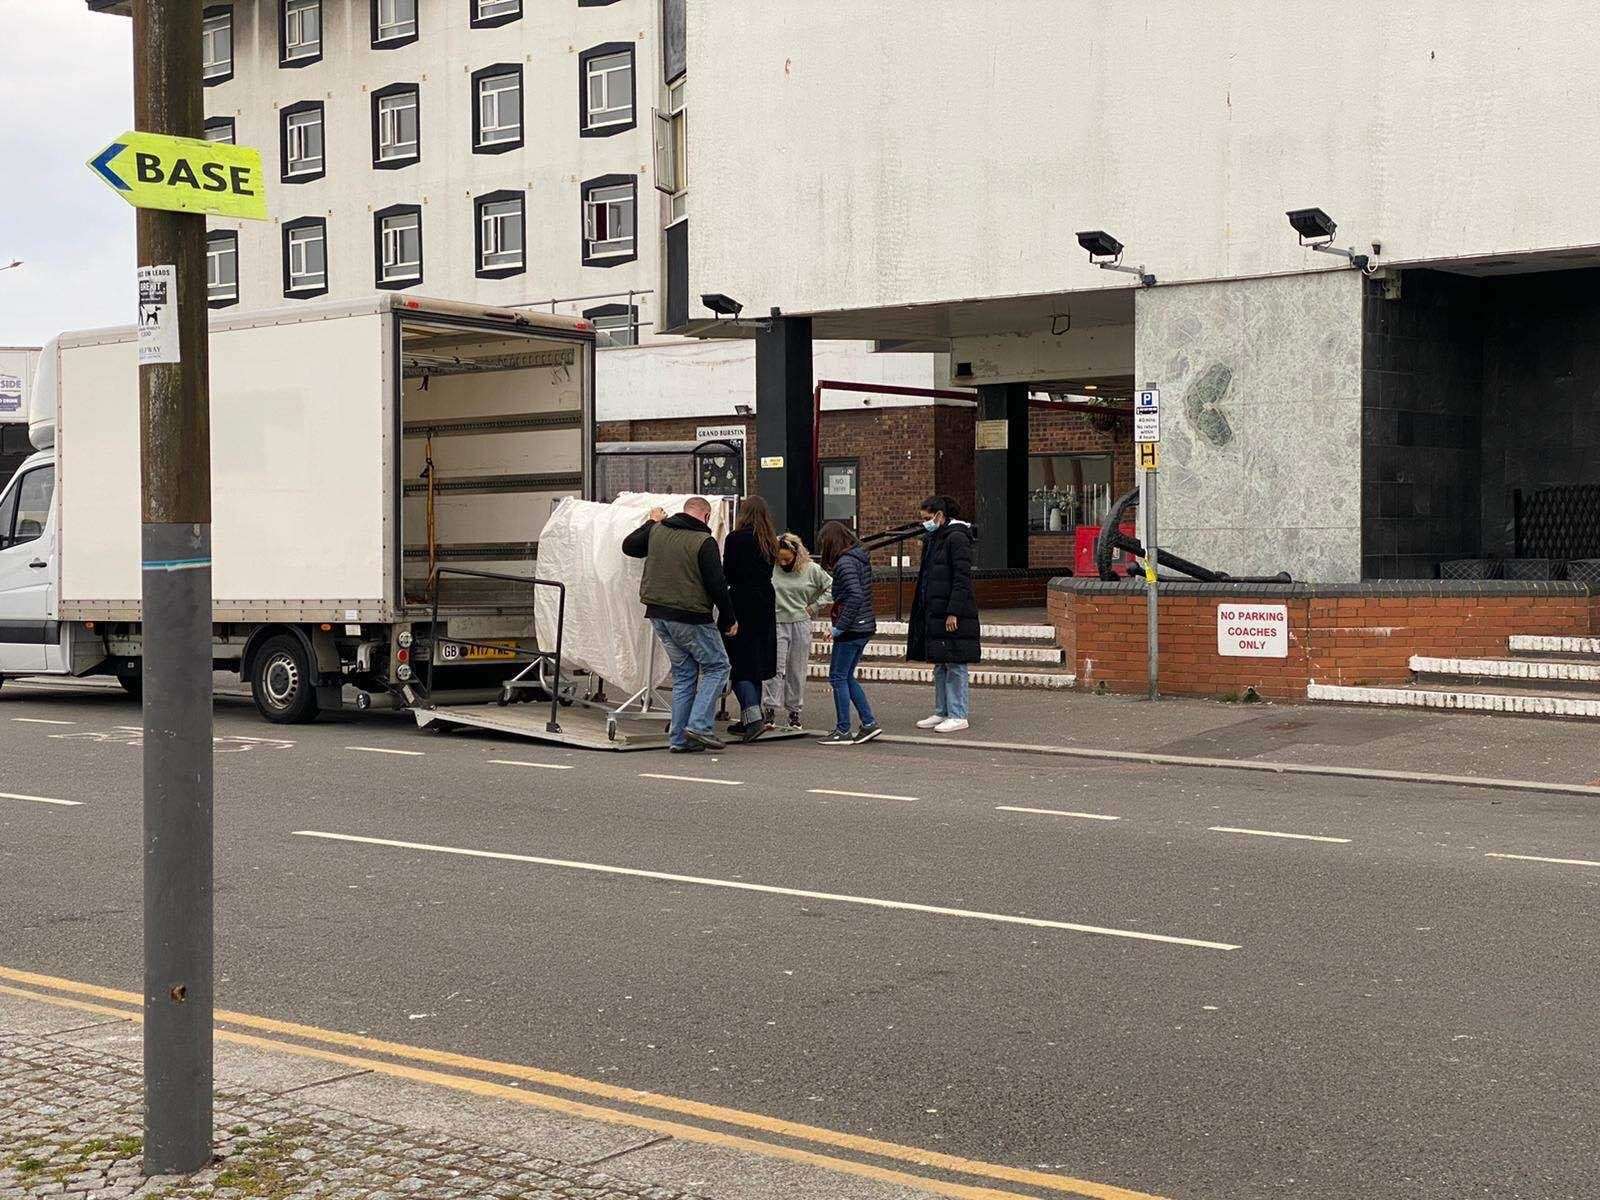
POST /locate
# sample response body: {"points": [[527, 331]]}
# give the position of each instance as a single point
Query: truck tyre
{"points": [[283, 683]]}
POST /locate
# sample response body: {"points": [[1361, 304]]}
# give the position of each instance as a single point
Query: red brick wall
{"points": [[1366, 639]]}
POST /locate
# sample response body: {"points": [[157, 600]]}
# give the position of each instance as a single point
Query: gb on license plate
{"points": [[477, 652]]}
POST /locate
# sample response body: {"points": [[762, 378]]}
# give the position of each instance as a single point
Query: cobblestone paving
{"points": [[70, 1124]]}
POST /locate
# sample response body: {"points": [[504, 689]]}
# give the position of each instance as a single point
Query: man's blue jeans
{"points": [[699, 673], [842, 678], [950, 689]]}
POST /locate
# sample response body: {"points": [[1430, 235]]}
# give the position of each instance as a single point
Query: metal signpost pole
{"points": [[175, 462], [1147, 435]]}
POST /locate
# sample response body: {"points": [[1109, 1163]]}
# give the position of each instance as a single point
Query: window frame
{"points": [[1109, 484], [290, 292], [13, 498], [208, 14], [394, 41], [585, 193], [855, 500], [231, 237], [285, 61], [379, 220], [610, 128], [479, 78], [228, 123], [493, 20], [601, 311], [287, 113], [669, 137], [379, 163], [479, 203]]}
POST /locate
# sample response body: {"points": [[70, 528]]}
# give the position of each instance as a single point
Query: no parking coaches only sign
{"points": [[1253, 630], [152, 170]]}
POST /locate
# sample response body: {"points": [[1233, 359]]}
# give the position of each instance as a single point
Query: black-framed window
{"points": [[606, 102], [302, 144], [497, 108], [615, 324], [500, 234], [299, 32], [610, 220], [222, 268], [394, 23], [396, 126], [221, 129], [1068, 490], [486, 14], [397, 246], [305, 257], [841, 490], [25, 509], [216, 44]]}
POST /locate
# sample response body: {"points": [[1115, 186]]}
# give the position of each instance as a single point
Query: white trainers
{"points": [[950, 725], [931, 722]]}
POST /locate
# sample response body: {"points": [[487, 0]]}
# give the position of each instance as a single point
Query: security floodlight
{"points": [[1316, 229], [1105, 252], [15, 262], [722, 306], [743, 410]]}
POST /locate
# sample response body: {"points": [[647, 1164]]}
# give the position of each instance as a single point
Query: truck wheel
{"points": [[282, 682], [133, 685]]}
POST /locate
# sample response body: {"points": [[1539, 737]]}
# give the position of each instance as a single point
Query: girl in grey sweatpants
{"points": [[799, 585]]}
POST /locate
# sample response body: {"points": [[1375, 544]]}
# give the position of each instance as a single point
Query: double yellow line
{"points": [[308, 1041]]}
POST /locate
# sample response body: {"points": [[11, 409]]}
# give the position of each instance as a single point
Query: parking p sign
{"points": [[1147, 415]]}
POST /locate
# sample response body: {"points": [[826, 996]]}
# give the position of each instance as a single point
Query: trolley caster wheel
{"points": [[611, 731]]}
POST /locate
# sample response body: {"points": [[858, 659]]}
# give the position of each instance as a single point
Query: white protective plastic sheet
{"points": [[606, 631]]}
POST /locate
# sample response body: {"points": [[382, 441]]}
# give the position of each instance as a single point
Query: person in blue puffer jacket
{"points": [[853, 626]]}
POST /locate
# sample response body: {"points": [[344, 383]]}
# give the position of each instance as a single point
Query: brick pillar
{"points": [[1002, 477]]}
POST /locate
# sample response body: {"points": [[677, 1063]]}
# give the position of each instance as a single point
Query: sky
{"points": [[66, 90]]}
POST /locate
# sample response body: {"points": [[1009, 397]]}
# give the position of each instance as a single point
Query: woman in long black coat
{"points": [[944, 626], [747, 557]]}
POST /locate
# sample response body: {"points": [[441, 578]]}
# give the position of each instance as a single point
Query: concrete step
{"points": [[979, 677], [1050, 656], [1542, 673], [1512, 701], [1543, 644], [998, 633]]}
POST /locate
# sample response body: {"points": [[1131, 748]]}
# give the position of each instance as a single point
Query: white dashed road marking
{"points": [[41, 800], [1566, 862], [692, 779], [1057, 812], [858, 795], [382, 750], [771, 890], [515, 762], [41, 721], [1299, 837]]}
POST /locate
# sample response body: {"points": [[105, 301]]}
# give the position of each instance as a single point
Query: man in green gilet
{"points": [[682, 582]]}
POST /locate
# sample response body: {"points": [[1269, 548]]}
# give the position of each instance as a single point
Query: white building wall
{"points": [[550, 166], [896, 151]]}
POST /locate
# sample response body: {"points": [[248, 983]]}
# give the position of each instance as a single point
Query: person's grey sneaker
{"points": [[708, 741], [866, 733], [837, 738], [686, 748]]}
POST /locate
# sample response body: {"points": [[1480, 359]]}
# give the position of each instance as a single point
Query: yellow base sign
{"points": [[152, 170]]}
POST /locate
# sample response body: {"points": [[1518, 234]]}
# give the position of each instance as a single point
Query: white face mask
{"points": [[931, 524]]}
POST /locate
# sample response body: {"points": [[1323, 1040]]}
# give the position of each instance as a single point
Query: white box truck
{"points": [[380, 474]]}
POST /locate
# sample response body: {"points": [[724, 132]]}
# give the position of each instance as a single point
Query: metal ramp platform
{"points": [[585, 728]]}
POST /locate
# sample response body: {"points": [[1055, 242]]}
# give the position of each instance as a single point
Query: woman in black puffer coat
{"points": [[944, 626]]}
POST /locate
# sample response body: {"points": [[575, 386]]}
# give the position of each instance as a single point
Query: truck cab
{"points": [[30, 637]]}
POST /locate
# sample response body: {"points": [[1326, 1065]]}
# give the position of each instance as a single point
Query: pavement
{"points": [[1003, 972]]}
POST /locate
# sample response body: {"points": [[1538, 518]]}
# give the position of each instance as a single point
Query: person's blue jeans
{"points": [[748, 692], [842, 678], [951, 682], [699, 673]]}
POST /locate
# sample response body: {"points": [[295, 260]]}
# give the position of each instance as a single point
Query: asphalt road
{"points": [[1403, 1013]]}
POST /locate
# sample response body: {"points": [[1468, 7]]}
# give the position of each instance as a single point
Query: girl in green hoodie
{"points": [[800, 585]]}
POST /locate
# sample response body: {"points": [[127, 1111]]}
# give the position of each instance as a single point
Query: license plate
{"points": [[477, 652]]}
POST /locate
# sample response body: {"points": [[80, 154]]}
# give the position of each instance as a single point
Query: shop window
{"points": [[841, 491], [1068, 490]]}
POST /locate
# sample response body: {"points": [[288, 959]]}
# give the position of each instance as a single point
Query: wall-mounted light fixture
{"points": [[1316, 229], [1105, 252], [722, 306]]}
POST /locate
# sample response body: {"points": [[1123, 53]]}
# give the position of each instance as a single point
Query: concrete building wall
{"points": [[900, 151], [1261, 394]]}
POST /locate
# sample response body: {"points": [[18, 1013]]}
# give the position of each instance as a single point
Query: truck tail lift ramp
{"points": [[570, 719]]}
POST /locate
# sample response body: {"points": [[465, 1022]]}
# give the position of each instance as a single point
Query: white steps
{"points": [[1047, 656], [1532, 704], [1510, 670], [1002, 633], [1545, 644], [980, 676]]}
